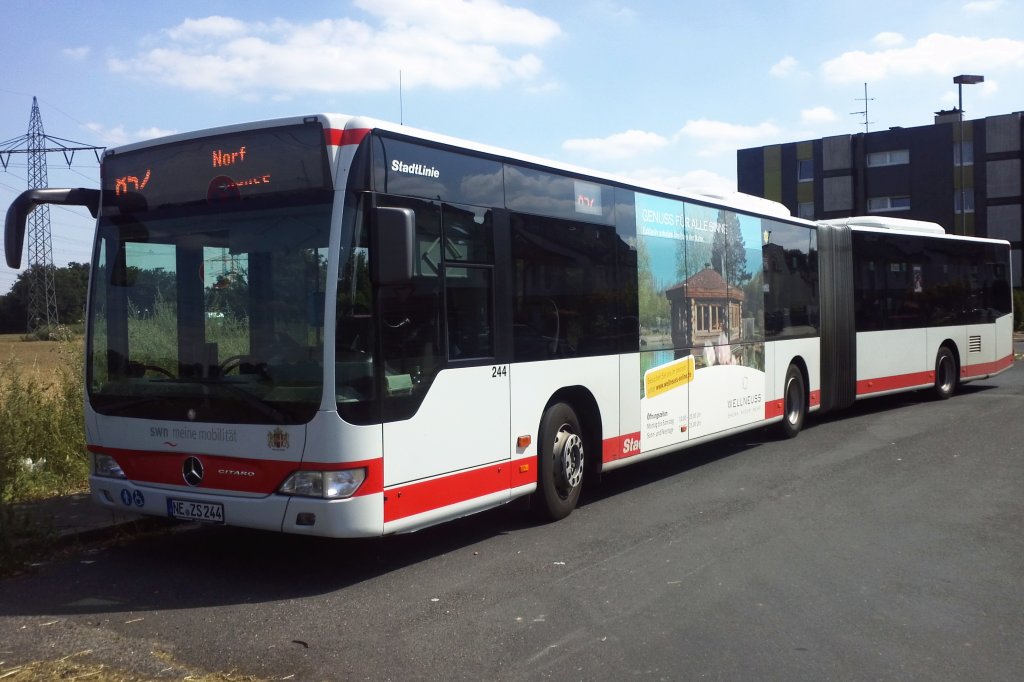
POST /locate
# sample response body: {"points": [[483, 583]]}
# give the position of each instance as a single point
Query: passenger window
{"points": [[469, 308]]}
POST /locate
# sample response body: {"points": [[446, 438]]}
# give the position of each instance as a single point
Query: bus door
{"points": [[445, 396]]}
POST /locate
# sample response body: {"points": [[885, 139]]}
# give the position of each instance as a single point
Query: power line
{"points": [[36, 144]]}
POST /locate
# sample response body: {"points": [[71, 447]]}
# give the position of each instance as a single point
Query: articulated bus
{"points": [[337, 326]]}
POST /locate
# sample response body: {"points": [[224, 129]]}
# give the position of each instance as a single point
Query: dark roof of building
{"points": [[707, 283]]}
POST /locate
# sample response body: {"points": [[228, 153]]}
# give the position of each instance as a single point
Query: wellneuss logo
{"points": [[743, 401], [399, 166]]}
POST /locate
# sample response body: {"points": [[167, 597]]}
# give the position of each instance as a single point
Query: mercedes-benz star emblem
{"points": [[192, 471]]}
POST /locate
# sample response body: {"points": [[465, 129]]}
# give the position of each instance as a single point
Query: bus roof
{"points": [[729, 199], [886, 223]]}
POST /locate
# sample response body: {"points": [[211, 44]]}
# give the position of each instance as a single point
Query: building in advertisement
{"points": [[903, 172], [703, 308]]}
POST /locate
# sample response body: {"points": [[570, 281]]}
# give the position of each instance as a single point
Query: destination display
{"points": [[223, 168]]}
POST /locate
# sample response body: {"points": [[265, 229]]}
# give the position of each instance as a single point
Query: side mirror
{"points": [[394, 236], [17, 214]]}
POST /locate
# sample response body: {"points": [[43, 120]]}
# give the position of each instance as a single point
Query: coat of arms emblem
{"points": [[277, 439]]}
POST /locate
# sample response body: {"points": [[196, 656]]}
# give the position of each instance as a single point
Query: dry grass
{"points": [[39, 360], [78, 666]]}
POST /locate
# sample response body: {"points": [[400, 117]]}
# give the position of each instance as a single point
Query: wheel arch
{"points": [[583, 403], [801, 364], [954, 349]]}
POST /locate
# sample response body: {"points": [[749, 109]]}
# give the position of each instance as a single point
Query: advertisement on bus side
{"points": [[701, 318]]}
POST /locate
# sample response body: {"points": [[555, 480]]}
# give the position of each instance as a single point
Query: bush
{"points": [[42, 434], [42, 446]]}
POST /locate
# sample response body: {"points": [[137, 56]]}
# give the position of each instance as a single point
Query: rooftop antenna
{"points": [[864, 99], [401, 106]]}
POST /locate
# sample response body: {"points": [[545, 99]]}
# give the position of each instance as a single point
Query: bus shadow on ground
{"points": [[192, 566]]}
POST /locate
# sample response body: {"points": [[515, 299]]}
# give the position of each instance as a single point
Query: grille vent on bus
{"points": [[974, 344]]}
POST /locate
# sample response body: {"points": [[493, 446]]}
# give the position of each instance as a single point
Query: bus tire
{"points": [[794, 403], [946, 373], [561, 458]]}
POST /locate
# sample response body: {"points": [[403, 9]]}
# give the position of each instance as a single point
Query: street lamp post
{"points": [[961, 81]]}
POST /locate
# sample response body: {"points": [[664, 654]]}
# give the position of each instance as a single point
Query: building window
{"points": [[968, 153], [968, 200], [805, 209], [709, 317], [805, 170], [881, 204], [894, 157]]}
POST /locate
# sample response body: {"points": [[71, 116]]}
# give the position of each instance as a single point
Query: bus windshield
{"points": [[210, 315]]}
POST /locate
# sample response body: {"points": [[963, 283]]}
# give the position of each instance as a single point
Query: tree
{"points": [[71, 284], [728, 252]]}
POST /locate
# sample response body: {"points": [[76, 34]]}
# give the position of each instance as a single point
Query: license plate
{"points": [[187, 510]]}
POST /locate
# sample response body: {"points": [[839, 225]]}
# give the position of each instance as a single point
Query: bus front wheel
{"points": [[945, 373], [794, 403], [560, 468]]}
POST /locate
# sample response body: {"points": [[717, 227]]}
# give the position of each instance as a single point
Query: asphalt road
{"points": [[882, 543]]}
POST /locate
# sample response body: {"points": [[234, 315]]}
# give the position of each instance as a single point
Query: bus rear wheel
{"points": [[794, 403], [561, 458], [945, 374]]}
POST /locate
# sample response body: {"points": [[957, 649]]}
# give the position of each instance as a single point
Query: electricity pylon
{"points": [[42, 296]]}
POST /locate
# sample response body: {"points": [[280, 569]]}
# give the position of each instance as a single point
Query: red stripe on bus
{"points": [[620, 447], [983, 368], [415, 498], [341, 138], [895, 383], [237, 474], [918, 379], [776, 408]]}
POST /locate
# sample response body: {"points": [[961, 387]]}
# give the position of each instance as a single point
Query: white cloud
{"points": [[936, 54], [445, 44], [816, 115], [193, 30], [990, 87], [784, 67], [981, 6], [76, 53], [117, 135], [720, 137], [487, 21], [972, 94], [888, 39], [625, 145]]}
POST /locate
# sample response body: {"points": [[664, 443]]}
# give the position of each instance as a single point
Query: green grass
{"points": [[42, 446]]}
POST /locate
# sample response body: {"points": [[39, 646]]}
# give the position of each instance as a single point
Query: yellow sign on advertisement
{"points": [[673, 375]]}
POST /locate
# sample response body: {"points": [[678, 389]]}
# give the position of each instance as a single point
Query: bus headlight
{"points": [[330, 485], [107, 466]]}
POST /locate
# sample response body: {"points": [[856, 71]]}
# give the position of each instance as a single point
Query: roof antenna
{"points": [[864, 99], [401, 106]]}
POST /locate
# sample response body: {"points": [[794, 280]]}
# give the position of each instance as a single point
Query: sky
{"points": [[661, 91]]}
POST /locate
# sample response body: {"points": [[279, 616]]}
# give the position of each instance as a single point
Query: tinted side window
{"points": [[564, 288], [889, 282], [534, 191], [791, 281], [418, 170], [903, 281], [998, 260]]}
